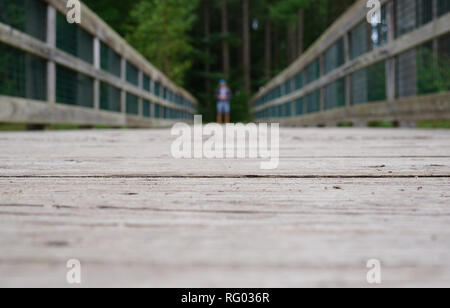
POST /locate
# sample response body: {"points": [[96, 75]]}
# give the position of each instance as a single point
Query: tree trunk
{"points": [[301, 29], [165, 40], [276, 51], [246, 37], [268, 49], [292, 44], [225, 43], [207, 35]]}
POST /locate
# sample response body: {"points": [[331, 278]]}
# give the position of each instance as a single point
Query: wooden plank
{"points": [[133, 216], [203, 233], [303, 153], [19, 110]]}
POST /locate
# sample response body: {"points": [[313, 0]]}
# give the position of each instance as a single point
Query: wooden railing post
{"points": [[347, 78], [123, 93], [97, 66], [322, 90], [390, 62], [140, 100], [51, 66]]}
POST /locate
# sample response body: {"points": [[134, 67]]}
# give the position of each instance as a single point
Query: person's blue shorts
{"points": [[223, 107]]}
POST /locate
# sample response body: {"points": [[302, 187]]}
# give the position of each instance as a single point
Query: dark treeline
{"points": [[198, 42]]}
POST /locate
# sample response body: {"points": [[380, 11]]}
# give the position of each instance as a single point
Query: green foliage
{"points": [[287, 10], [161, 32], [433, 74], [115, 13]]}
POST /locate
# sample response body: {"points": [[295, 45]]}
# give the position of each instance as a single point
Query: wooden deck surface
{"points": [[133, 216]]}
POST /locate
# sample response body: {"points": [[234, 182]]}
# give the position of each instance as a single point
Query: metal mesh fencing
{"points": [[287, 87], [146, 108], [299, 106], [157, 89], [312, 72], [157, 111], [443, 7], [73, 88], [411, 14], [313, 102], [369, 84], [74, 40], [424, 70], [28, 16], [367, 37], [146, 83], [358, 40], [288, 109], [335, 94], [22, 74], [132, 104], [299, 81], [132, 74], [110, 61], [110, 98], [334, 56]]}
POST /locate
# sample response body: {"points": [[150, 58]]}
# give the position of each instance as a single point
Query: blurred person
{"points": [[223, 102]]}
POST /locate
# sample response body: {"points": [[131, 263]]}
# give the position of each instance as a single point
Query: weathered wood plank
{"points": [[162, 222], [195, 232], [309, 152]]}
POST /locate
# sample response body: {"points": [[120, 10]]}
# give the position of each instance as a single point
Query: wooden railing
{"points": [[360, 72], [153, 100]]}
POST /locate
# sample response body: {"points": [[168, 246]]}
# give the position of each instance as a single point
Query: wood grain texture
{"points": [[134, 216]]}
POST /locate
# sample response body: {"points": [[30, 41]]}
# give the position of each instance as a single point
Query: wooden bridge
{"points": [[116, 200], [134, 216]]}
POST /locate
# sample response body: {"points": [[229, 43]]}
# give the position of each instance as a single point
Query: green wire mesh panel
{"points": [[312, 72], [22, 74], [281, 111], [146, 108], [132, 74], [29, 16], [299, 81], [157, 88], [157, 111], [443, 7], [110, 61], [334, 56], [410, 14], [299, 107], [406, 74], [146, 80], [132, 104], [335, 94], [369, 84], [358, 40], [74, 40], [431, 68], [444, 60], [379, 31], [422, 70], [313, 102], [73, 88], [289, 107], [287, 87], [110, 98]]}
